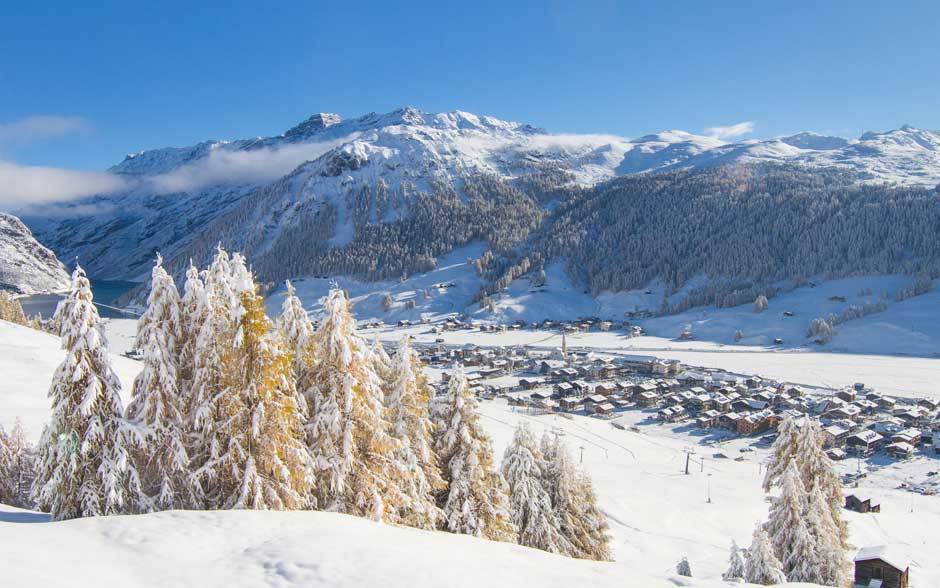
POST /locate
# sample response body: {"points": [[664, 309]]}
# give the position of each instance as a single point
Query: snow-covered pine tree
{"points": [[831, 567], [793, 543], [83, 460], [158, 406], [817, 471], [574, 502], [295, 327], [529, 502], [210, 341], [241, 279], [17, 466], [194, 312], [736, 566], [264, 463], [762, 566], [684, 568], [408, 399], [348, 430], [783, 451], [760, 303], [475, 502], [382, 360]]}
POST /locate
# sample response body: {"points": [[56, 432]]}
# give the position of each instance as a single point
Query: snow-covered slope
{"points": [[171, 196], [26, 267], [28, 358]]}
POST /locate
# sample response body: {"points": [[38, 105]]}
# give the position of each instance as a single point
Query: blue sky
{"points": [[113, 78]]}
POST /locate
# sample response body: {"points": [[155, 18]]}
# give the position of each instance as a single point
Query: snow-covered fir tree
{"points": [[684, 568], [17, 466], [157, 404], [348, 431], [408, 399], [736, 566], [760, 303], [529, 502], [264, 463], [295, 327], [475, 502], [194, 312], [791, 538], [574, 502], [817, 471], [783, 451], [381, 361], [762, 566], [210, 340], [832, 567], [83, 464]]}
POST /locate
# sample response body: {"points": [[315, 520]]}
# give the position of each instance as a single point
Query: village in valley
{"points": [[877, 441]]}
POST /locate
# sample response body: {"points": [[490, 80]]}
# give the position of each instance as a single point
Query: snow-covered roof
{"points": [[886, 553]]}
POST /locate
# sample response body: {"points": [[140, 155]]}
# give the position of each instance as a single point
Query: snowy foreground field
{"points": [[657, 514]]}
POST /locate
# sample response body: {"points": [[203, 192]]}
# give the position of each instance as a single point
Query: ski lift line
{"points": [[511, 426], [124, 310]]}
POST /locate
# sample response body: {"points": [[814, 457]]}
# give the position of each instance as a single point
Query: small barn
{"points": [[880, 566], [859, 504]]}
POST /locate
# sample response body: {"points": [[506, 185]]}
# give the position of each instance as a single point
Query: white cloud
{"points": [[22, 185], [730, 131], [33, 128], [229, 166]]}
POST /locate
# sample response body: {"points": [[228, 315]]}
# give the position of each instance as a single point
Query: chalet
{"points": [[900, 450], [540, 395], [866, 406], [928, 403], [708, 419], [594, 399], [882, 567], [671, 414], [910, 436], [644, 387], [605, 388], [619, 402], [729, 420], [835, 435], [864, 443], [692, 379], [604, 409], [886, 402], [647, 399], [847, 394], [859, 504], [675, 400], [702, 402], [565, 389], [847, 412], [913, 416], [530, 383], [755, 422], [570, 403], [754, 382], [888, 426], [582, 387], [722, 403]]}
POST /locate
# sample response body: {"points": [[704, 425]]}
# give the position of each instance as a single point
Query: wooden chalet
{"points": [[881, 567]]}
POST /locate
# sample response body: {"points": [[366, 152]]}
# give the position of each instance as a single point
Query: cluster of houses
{"points": [[580, 325], [856, 421]]}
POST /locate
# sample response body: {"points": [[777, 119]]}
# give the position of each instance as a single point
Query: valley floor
{"points": [[657, 513]]}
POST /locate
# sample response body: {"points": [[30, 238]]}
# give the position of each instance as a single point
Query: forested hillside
{"points": [[745, 228]]}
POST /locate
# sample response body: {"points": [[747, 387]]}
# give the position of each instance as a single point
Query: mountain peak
{"points": [[314, 124]]}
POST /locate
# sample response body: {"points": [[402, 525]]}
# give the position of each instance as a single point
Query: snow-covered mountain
{"points": [[250, 192], [26, 267]]}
